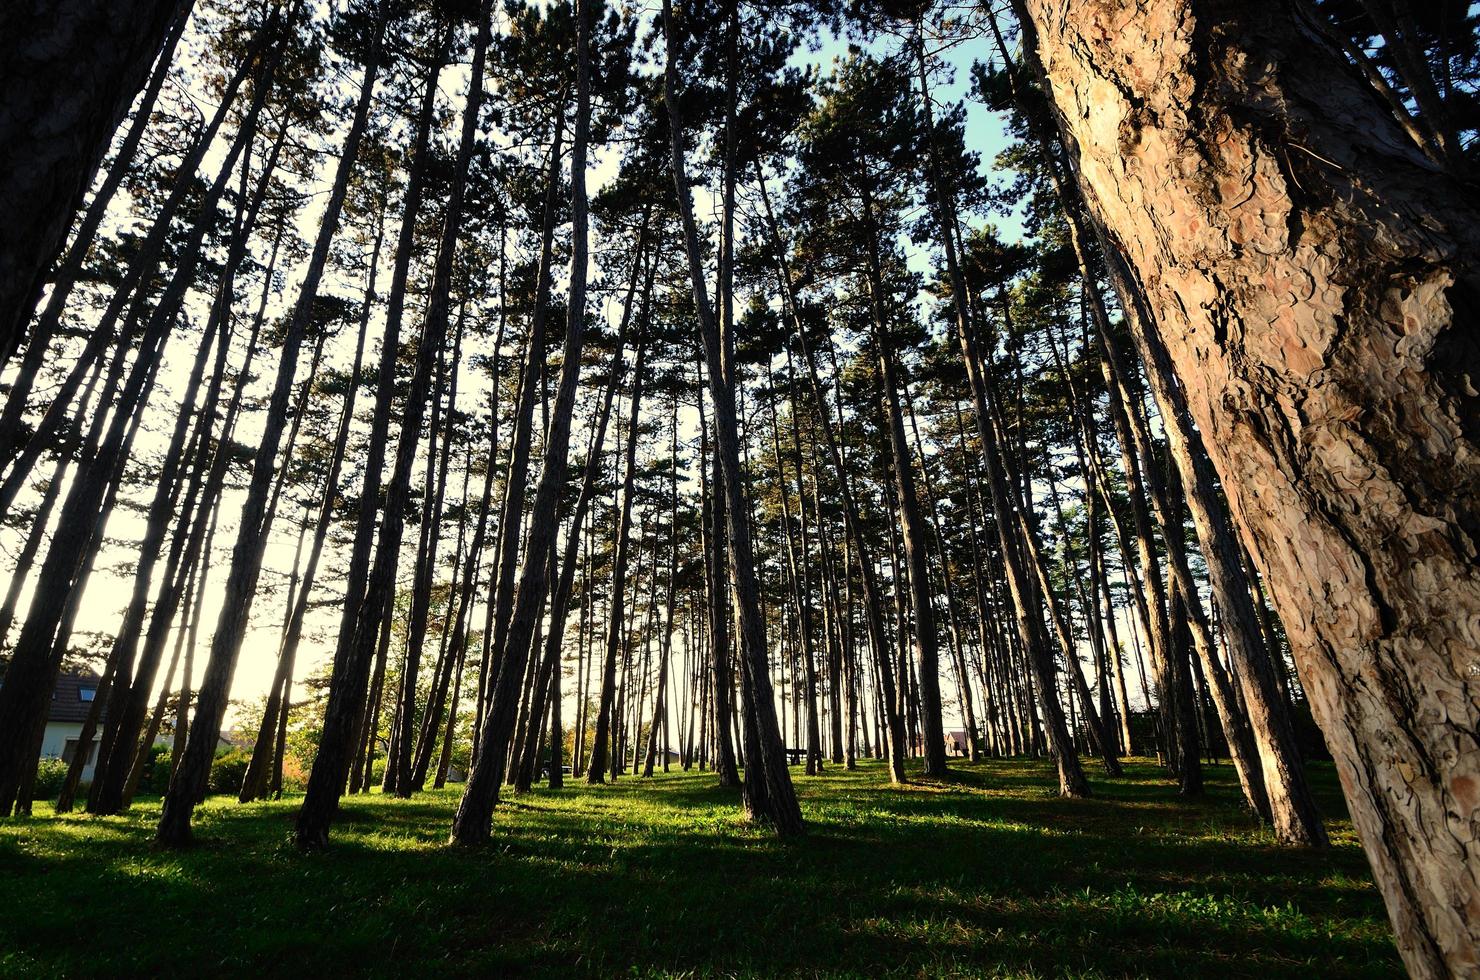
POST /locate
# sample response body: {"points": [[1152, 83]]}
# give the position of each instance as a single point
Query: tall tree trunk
{"points": [[118, 748], [782, 810], [34, 663], [798, 576], [872, 601], [722, 686], [401, 760], [472, 821], [254, 783], [621, 555], [506, 562], [1029, 620], [1316, 306], [364, 620], [246, 560], [68, 72], [665, 642]]}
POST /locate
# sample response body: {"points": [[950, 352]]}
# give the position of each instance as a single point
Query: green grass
{"points": [[985, 875]]}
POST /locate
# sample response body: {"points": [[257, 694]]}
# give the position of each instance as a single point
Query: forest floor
{"points": [[987, 874]]}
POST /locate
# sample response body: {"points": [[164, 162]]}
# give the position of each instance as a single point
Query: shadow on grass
{"points": [[985, 873]]}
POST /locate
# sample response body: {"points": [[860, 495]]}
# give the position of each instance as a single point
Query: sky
{"points": [[109, 587]]}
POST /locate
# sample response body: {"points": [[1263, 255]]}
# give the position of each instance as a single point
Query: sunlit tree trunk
{"points": [[1313, 279]]}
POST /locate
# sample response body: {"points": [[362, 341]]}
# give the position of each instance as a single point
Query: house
{"points": [[957, 742], [71, 700]]}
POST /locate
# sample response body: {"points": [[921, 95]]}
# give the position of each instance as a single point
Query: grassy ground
{"points": [[985, 875]]}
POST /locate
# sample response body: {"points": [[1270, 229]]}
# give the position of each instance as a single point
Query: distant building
{"points": [[957, 743], [71, 700]]}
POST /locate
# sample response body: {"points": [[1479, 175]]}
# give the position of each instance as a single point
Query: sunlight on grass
{"points": [[985, 874]]}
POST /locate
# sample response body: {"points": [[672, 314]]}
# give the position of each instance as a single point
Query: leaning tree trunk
{"points": [[472, 821], [783, 809], [256, 519], [36, 657], [68, 71], [1313, 279], [115, 756], [69, 266]]}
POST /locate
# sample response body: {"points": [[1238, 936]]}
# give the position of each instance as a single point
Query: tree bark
{"points": [[33, 666], [1313, 280], [65, 276]]}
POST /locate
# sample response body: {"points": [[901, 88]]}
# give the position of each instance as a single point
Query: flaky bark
{"points": [[1313, 279]]}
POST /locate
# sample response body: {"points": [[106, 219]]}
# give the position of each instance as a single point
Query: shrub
{"points": [[156, 776], [228, 770], [50, 774]]}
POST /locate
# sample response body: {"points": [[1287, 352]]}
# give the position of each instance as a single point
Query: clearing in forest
{"points": [[984, 875]]}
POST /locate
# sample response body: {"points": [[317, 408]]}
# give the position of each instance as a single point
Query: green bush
{"points": [[156, 776], [50, 774], [228, 770]]}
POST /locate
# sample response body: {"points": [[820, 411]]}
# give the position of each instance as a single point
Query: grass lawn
{"points": [[985, 875]]}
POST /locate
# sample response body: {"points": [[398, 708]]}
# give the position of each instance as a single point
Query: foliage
{"points": [[156, 776], [228, 769], [50, 774]]}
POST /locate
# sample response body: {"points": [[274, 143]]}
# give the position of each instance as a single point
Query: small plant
{"points": [[228, 770], [50, 774], [156, 777]]}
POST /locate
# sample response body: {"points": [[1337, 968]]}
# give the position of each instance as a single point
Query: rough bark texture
{"points": [[1314, 281]]}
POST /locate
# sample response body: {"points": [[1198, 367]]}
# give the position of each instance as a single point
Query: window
{"points": [[86, 693], [69, 749]]}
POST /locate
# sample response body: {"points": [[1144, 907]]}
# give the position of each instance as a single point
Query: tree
{"points": [[68, 73], [781, 807], [1309, 273]]}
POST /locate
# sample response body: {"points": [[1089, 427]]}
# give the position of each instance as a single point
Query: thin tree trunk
{"points": [[782, 808], [35, 660], [246, 562], [873, 612]]}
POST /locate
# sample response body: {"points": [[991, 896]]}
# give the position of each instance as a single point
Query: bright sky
{"points": [[111, 582]]}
